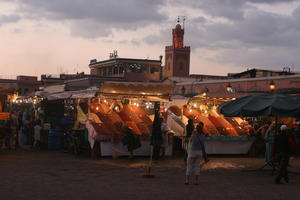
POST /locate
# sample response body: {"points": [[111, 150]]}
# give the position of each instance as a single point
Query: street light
{"points": [[272, 86]]}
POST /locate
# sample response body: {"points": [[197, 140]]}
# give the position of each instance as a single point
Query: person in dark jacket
{"points": [[189, 130], [282, 150], [297, 137]]}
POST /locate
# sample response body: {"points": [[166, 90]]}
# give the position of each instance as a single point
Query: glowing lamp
{"points": [[272, 86]]}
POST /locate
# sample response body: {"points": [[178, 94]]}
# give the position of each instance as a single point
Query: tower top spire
{"points": [[178, 20]]}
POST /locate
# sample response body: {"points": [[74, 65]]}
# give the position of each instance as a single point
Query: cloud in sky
{"points": [[4, 19], [94, 18], [235, 33]]}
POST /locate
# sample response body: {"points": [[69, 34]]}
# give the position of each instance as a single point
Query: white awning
{"points": [[55, 88], [85, 94], [57, 96]]}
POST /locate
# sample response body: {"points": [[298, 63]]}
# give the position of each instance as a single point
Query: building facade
{"points": [[256, 73], [235, 88], [129, 68], [23, 85]]}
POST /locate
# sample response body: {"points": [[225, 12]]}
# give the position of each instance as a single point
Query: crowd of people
{"points": [[21, 129]]}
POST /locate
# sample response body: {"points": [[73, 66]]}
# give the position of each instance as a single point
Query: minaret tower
{"points": [[177, 56]]}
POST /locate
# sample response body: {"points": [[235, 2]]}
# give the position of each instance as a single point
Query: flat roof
{"points": [[240, 80], [124, 60]]}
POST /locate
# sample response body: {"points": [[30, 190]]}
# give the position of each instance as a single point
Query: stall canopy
{"points": [[84, 94], [55, 88], [136, 88], [276, 105], [81, 94], [58, 96]]}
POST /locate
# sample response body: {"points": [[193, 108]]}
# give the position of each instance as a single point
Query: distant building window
{"points": [[115, 70], [138, 68], [110, 71], [121, 70]]}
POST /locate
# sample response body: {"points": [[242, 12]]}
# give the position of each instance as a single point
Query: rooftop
{"points": [[95, 62]]}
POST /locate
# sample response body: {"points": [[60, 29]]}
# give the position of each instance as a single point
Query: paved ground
{"points": [[54, 175]]}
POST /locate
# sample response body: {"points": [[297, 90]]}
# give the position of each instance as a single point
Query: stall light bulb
{"points": [[97, 108], [195, 105], [190, 110], [137, 105], [147, 107], [105, 101], [166, 109]]}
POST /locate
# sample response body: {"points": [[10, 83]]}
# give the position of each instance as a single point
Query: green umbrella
{"points": [[273, 105], [270, 105]]}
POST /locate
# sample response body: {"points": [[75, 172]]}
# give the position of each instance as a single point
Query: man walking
{"points": [[282, 150]]}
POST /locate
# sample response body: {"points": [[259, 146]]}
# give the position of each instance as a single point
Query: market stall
{"points": [[7, 120], [230, 135], [125, 103]]}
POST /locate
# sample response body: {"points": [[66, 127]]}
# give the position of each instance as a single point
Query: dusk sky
{"points": [[61, 36]]}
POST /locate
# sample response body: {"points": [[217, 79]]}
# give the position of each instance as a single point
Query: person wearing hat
{"points": [[282, 150]]}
